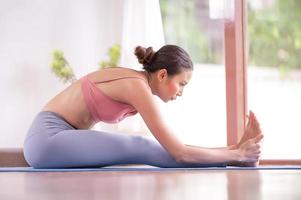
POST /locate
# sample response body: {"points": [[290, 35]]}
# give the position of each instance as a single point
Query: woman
{"points": [[60, 136]]}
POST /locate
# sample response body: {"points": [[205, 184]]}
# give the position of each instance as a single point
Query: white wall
{"points": [[29, 31]]}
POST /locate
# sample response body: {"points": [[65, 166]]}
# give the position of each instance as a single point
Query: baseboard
{"points": [[12, 157]]}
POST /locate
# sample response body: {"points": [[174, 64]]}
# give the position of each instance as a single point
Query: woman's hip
{"points": [[47, 124]]}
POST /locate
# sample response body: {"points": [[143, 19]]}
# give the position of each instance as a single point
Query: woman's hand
{"points": [[249, 151], [252, 131]]}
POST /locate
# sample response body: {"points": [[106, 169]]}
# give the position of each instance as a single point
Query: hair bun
{"points": [[144, 55]]}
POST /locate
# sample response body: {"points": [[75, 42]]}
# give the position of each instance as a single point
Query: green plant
{"points": [[61, 68], [185, 18], [114, 56], [275, 35]]}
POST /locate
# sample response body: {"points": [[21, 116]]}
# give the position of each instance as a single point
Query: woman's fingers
{"points": [[252, 159], [253, 147], [254, 154]]}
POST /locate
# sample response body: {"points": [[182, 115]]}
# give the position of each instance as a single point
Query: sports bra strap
{"points": [[115, 79]]}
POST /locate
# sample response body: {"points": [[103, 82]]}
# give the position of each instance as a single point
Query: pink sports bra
{"points": [[102, 107]]}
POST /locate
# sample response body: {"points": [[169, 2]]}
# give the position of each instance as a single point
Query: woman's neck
{"points": [[151, 81]]}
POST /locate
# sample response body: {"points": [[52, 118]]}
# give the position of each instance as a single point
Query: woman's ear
{"points": [[162, 74]]}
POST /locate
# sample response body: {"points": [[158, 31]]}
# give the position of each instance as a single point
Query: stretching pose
{"points": [[59, 136]]}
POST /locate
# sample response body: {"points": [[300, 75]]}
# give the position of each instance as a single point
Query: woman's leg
{"points": [[88, 148], [52, 143]]}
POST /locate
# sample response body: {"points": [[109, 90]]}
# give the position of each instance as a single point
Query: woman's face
{"points": [[170, 87]]}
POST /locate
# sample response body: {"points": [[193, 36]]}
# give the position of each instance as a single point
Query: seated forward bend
{"points": [[60, 134]]}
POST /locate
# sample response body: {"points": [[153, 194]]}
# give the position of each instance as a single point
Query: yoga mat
{"points": [[144, 168]]}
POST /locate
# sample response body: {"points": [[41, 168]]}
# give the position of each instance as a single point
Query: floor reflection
{"points": [[127, 185], [244, 185], [182, 185]]}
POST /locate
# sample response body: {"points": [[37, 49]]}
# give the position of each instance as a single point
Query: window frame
{"points": [[236, 58]]}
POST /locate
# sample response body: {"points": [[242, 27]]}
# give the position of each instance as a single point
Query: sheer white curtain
{"points": [[141, 25], [29, 31], [83, 30]]}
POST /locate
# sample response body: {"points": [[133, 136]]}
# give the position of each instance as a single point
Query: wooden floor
{"points": [[143, 185]]}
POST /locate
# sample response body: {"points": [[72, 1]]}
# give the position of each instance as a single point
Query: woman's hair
{"points": [[170, 57]]}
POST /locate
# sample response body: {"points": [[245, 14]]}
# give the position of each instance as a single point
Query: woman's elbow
{"points": [[179, 156], [179, 159]]}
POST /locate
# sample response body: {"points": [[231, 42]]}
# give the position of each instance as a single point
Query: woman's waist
{"points": [[78, 120]]}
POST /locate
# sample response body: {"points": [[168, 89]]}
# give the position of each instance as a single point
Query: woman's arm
{"points": [[248, 152], [231, 147], [196, 154], [142, 99]]}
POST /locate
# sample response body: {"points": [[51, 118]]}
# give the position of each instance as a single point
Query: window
{"points": [[199, 116], [274, 74], [263, 35]]}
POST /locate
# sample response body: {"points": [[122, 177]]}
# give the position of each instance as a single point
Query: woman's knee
{"points": [[37, 153], [146, 143]]}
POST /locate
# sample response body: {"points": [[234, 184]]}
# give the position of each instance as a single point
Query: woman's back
{"points": [[71, 105]]}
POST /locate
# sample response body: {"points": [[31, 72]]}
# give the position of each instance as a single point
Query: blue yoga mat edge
{"points": [[143, 168]]}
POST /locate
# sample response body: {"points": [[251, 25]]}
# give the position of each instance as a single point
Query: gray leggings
{"points": [[51, 142]]}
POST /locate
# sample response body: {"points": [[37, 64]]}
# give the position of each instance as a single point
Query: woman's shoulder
{"points": [[115, 73]]}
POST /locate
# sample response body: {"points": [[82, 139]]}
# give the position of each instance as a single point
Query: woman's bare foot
{"points": [[252, 130], [249, 152]]}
